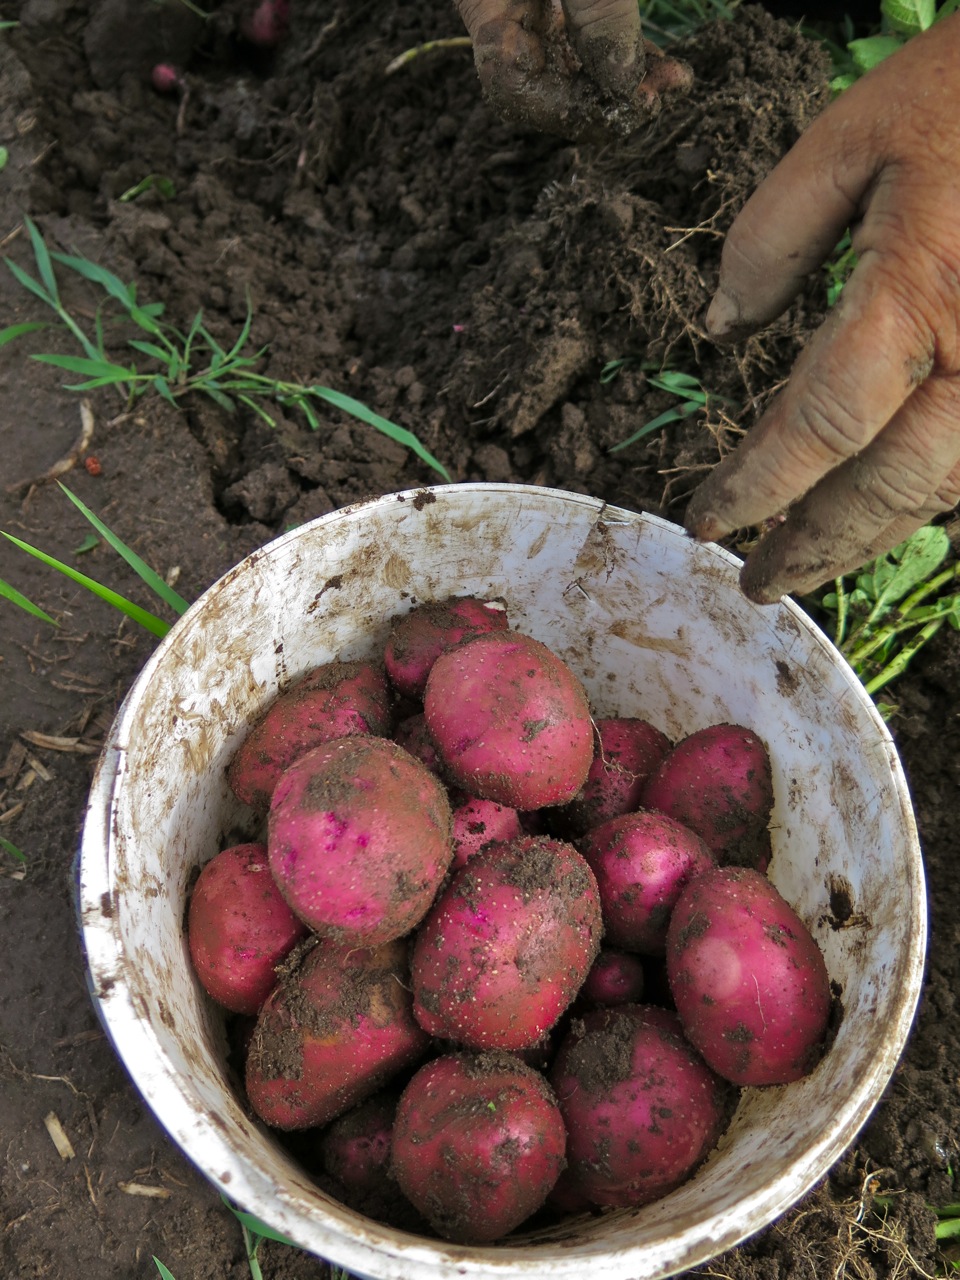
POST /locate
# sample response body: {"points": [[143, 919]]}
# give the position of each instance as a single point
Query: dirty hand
{"points": [[863, 444], [579, 68]]}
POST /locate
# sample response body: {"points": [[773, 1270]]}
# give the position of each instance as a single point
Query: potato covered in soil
{"points": [[359, 838], [748, 978], [333, 1032], [478, 823], [336, 700], [507, 945], [420, 636], [510, 720], [718, 783], [642, 862], [478, 1143], [239, 928], [615, 977], [641, 1108]]}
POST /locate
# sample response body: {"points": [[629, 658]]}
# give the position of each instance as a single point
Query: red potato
{"points": [[642, 862], [411, 734], [627, 752], [718, 783], [420, 636], [239, 928], [478, 823], [359, 839], [332, 1033], [511, 721], [267, 24], [749, 981], [507, 945], [332, 701], [478, 1144], [355, 1150], [641, 1108], [615, 977]]}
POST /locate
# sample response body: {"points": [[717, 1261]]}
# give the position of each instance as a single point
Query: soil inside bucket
{"points": [[499, 294]]}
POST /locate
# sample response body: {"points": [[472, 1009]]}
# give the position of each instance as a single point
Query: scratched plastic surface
{"points": [[655, 626]]}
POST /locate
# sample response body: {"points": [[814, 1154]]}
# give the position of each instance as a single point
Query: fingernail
{"points": [[723, 314], [706, 526]]}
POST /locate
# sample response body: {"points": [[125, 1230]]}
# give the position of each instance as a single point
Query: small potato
{"points": [[419, 637], [239, 928], [510, 720], [642, 1109], [507, 945], [332, 701], [332, 1033], [627, 752], [642, 862], [359, 839], [718, 783], [749, 981], [478, 1144]]}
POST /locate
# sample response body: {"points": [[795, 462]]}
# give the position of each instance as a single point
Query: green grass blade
{"points": [[12, 849], [255, 1226], [359, 410], [18, 330], [90, 368], [18, 598], [42, 255], [99, 275], [217, 396], [258, 409], [140, 567], [28, 282], [661, 420], [149, 349], [165, 1273], [162, 388], [244, 333], [156, 626]]}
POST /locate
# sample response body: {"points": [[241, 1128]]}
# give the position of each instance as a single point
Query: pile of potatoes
{"points": [[466, 882]]}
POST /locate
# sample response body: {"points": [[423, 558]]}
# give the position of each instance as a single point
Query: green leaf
{"points": [[256, 1226], [18, 330], [12, 849], [359, 410], [93, 272], [140, 567], [90, 368], [42, 255], [165, 1274], [149, 349], [133, 611], [16, 597], [915, 560], [909, 17], [217, 396], [676, 414], [28, 282], [871, 50], [4, 157], [163, 388], [88, 544]]}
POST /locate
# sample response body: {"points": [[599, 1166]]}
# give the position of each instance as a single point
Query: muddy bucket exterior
{"points": [[656, 627]]}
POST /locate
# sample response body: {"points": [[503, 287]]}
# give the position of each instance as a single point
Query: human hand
{"points": [[863, 444], [579, 68]]}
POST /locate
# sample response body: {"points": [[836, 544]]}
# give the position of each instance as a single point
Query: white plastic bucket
{"points": [[655, 625]]}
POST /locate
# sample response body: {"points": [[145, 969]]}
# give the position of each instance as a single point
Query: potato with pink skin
{"points": [[355, 1150], [359, 839], [511, 721], [420, 636], [333, 1032], [477, 823], [718, 783], [332, 701], [615, 978], [239, 928], [641, 1108], [749, 981], [627, 752], [478, 1144], [642, 861], [507, 945]]}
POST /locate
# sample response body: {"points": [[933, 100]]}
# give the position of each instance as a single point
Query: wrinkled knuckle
{"points": [[824, 429], [605, 17], [891, 490]]}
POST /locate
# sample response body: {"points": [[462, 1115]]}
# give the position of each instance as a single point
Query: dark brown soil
{"points": [[465, 279]]}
